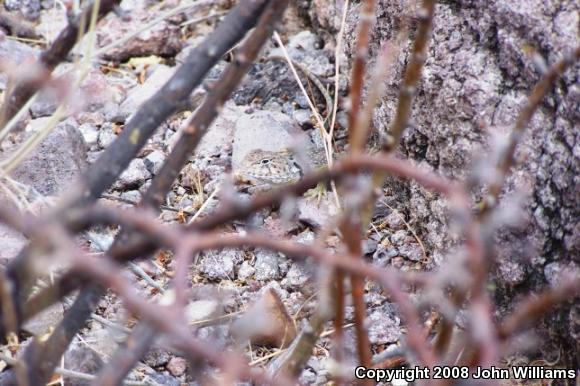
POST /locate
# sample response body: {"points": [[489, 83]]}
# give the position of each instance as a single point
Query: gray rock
{"points": [[17, 54], [220, 265], [369, 246], [106, 136], [94, 94], [30, 9], [266, 265], [556, 271], [399, 237], [90, 134], [163, 39], [297, 276], [384, 254], [11, 242], [45, 321], [135, 175], [82, 359], [219, 137], [265, 130], [302, 117], [46, 103], [56, 162], [99, 94], [177, 366], [511, 271], [140, 93], [395, 220], [202, 310], [52, 21], [100, 241], [304, 48], [132, 195], [157, 357], [165, 379], [246, 271], [317, 213], [154, 161], [384, 325], [104, 340], [411, 251]]}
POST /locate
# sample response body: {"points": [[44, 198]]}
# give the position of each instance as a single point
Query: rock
{"points": [[220, 265], [18, 56], [304, 48], [266, 265], [399, 237], [302, 117], [384, 254], [157, 357], [92, 156], [82, 359], [556, 271], [218, 139], [246, 271], [52, 21], [317, 213], [177, 366], [369, 246], [100, 241], [30, 9], [321, 15], [56, 162], [46, 103], [163, 39], [297, 276], [411, 251], [105, 340], [263, 130], [165, 379], [266, 322], [90, 134], [142, 92], [132, 195], [395, 220], [511, 272], [106, 136], [45, 321], [11, 242], [98, 94], [202, 310], [94, 94], [135, 175], [154, 161], [384, 325]]}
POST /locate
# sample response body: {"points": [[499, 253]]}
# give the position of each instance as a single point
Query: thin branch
{"points": [[357, 139], [535, 306], [412, 76]]}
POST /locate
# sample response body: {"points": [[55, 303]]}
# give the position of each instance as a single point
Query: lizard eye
{"points": [[265, 161]]}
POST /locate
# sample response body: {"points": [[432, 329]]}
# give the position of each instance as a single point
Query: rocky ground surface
{"points": [[474, 78]]}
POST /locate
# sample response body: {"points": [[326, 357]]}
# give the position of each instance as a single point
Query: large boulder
{"points": [[56, 162], [476, 79]]}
